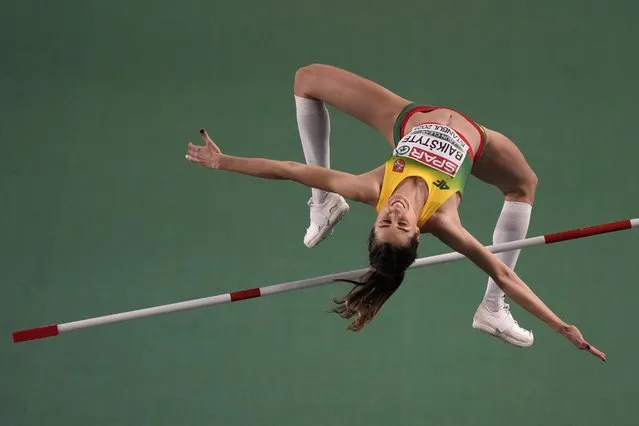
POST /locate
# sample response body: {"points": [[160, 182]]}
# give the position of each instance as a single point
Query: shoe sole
{"points": [[339, 216], [494, 333]]}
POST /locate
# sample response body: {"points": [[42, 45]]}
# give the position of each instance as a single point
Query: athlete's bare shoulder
{"points": [[446, 214], [377, 174], [372, 181]]}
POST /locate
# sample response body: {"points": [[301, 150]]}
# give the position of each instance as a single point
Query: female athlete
{"points": [[417, 190]]}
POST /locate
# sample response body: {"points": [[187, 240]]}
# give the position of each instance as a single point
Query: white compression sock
{"points": [[314, 126], [512, 225]]}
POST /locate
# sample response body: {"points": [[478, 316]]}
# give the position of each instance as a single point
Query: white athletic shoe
{"points": [[324, 217], [502, 325]]}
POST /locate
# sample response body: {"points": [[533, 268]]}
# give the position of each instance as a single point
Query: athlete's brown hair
{"points": [[388, 263]]}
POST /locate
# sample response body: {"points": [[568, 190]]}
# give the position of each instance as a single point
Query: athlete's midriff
{"points": [[436, 146], [449, 118]]}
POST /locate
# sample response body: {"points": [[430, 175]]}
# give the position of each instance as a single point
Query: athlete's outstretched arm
{"points": [[354, 187], [450, 231]]}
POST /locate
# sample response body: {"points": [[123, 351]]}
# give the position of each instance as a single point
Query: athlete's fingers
{"points": [[596, 352], [208, 141], [195, 150], [205, 136], [195, 160]]}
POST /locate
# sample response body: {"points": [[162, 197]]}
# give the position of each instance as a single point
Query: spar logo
{"points": [[398, 166], [433, 160]]}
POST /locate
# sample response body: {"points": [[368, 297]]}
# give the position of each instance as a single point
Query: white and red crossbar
{"points": [[55, 329]]}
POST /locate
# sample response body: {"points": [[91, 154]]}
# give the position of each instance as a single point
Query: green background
{"points": [[101, 213]]}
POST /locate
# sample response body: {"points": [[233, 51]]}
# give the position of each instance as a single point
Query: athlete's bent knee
{"points": [[525, 191], [305, 78], [531, 183]]}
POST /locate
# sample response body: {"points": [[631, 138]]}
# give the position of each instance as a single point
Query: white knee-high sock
{"points": [[314, 126], [512, 225]]}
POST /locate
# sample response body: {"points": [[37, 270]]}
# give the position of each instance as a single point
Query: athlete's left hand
{"points": [[573, 334], [208, 155]]}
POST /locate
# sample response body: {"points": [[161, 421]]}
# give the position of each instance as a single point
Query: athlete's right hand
{"points": [[208, 155], [573, 334]]}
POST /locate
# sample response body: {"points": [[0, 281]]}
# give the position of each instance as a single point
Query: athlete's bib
{"points": [[434, 145]]}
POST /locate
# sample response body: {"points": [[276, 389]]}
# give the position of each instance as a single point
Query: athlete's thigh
{"points": [[363, 99], [503, 165]]}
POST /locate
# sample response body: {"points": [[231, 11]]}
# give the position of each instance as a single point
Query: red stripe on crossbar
{"points": [[245, 294], [35, 333], [587, 232]]}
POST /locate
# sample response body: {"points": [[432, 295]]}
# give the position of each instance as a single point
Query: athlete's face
{"points": [[396, 222]]}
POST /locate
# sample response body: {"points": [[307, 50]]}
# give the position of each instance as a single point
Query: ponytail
{"points": [[388, 266]]}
